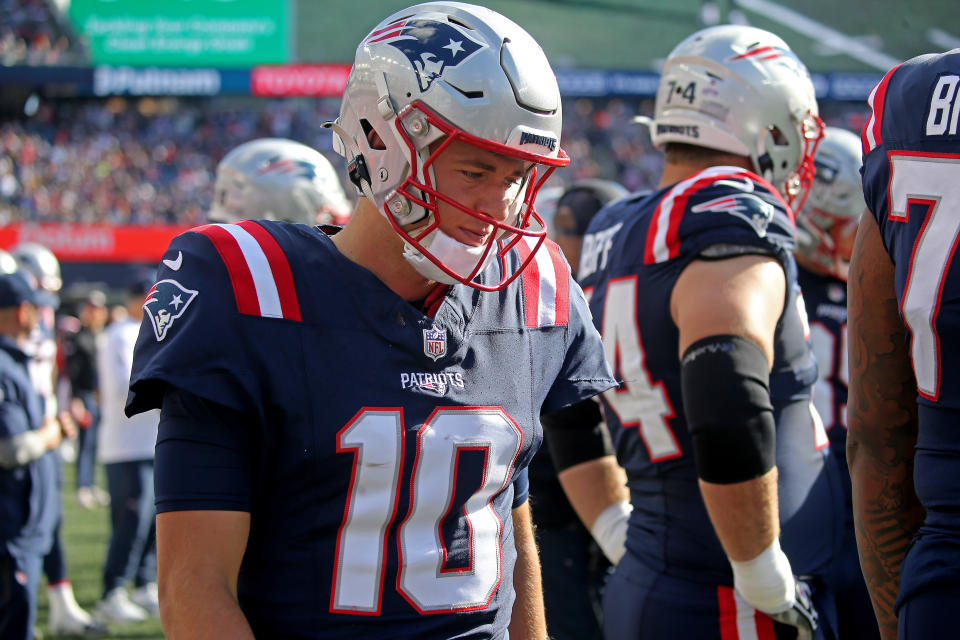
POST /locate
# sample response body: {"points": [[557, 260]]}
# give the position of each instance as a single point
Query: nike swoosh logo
{"points": [[175, 264]]}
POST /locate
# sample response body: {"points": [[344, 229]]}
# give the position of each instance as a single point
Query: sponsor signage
{"points": [[310, 80], [95, 243], [183, 33]]}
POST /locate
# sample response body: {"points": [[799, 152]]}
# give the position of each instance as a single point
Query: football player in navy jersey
{"points": [[347, 414], [826, 227], [694, 290], [903, 446]]}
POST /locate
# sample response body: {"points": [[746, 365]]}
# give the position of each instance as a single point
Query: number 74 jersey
{"points": [[911, 182], [633, 253]]}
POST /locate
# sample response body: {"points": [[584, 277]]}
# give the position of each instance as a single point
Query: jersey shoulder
{"points": [[914, 105], [717, 206], [223, 295], [913, 123]]}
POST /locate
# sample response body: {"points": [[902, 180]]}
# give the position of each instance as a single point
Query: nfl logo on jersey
{"points": [[435, 343]]}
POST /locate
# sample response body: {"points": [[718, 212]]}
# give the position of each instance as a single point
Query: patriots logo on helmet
{"points": [[431, 46], [746, 206], [166, 301], [279, 164]]}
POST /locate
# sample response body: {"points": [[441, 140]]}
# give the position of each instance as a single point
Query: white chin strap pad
{"points": [[456, 256]]}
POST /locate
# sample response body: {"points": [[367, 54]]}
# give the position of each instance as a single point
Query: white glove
{"points": [[610, 530], [768, 584]]}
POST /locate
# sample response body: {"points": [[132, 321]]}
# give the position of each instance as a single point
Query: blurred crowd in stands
{"points": [[31, 33], [152, 161]]}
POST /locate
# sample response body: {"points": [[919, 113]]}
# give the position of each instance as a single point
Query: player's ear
{"points": [[374, 139]]}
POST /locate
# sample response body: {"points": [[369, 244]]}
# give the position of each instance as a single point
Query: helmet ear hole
{"points": [[373, 138], [778, 137]]}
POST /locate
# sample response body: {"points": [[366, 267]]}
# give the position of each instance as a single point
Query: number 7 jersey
{"points": [[911, 182], [388, 443]]}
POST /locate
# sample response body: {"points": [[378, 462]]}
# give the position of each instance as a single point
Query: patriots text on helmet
{"points": [[544, 141], [692, 131]]}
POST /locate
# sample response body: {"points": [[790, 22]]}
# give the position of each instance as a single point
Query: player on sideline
{"points": [[694, 290], [277, 179], [903, 446], [41, 266], [826, 227], [347, 419]]}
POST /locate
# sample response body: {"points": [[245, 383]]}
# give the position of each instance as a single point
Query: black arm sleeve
{"points": [[576, 434], [204, 457], [725, 381]]}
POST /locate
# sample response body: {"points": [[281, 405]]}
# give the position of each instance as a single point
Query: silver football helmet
{"points": [[432, 74], [41, 265], [277, 179], [827, 224], [742, 90]]}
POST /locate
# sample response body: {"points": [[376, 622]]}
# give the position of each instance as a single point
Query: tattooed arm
{"points": [[882, 419]]}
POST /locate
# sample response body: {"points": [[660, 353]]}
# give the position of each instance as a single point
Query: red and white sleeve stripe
{"points": [[663, 237], [259, 271], [870, 136], [546, 284]]}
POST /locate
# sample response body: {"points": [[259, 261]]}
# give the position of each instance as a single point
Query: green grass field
{"points": [[85, 535]]}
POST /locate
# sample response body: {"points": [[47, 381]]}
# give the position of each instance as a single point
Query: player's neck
{"points": [[674, 172], [370, 241]]}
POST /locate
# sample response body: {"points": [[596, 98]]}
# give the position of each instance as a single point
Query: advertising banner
{"points": [[183, 33], [95, 243]]}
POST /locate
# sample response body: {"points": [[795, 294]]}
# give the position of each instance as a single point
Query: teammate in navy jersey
{"points": [[347, 417], [694, 290], [904, 329], [826, 227]]}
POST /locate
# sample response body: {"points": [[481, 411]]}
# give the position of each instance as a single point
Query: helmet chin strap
{"points": [[357, 166], [460, 258]]}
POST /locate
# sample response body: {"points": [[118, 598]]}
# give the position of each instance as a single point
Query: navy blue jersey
{"points": [[911, 182], [633, 254], [29, 496], [388, 441], [825, 298]]}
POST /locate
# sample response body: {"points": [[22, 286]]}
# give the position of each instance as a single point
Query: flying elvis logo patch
{"points": [[430, 46], [746, 206], [166, 302]]}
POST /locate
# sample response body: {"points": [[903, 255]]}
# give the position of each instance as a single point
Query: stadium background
{"points": [[114, 113]]}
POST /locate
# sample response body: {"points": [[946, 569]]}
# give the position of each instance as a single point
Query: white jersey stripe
{"points": [[746, 619], [259, 266], [547, 306], [661, 250], [868, 130]]}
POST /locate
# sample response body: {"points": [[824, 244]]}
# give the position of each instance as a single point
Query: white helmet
{"points": [[828, 221], [742, 90], [40, 263], [454, 72], [277, 179]]}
